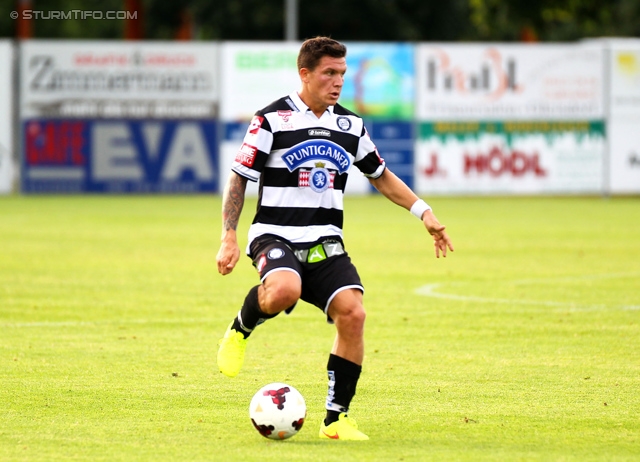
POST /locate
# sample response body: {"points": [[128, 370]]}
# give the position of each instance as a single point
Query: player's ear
{"points": [[304, 74]]}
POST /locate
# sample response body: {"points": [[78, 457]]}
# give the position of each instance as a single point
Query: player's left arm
{"points": [[394, 189]]}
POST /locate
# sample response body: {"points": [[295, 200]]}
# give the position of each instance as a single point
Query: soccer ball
{"points": [[277, 411]]}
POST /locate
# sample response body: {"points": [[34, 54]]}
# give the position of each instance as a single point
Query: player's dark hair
{"points": [[313, 49]]}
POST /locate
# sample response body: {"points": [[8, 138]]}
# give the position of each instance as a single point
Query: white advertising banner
{"points": [[624, 119], [507, 82], [624, 157], [510, 157], [118, 117], [6, 112], [624, 88], [101, 79], [255, 74], [502, 119]]}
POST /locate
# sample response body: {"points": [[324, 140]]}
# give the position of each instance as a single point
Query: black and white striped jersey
{"points": [[302, 163]]}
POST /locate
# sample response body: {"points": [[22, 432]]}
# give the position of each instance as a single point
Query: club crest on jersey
{"points": [[320, 150], [344, 123], [318, 179]]}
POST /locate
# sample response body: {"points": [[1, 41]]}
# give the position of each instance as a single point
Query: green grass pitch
{"points": [[524, 344]]}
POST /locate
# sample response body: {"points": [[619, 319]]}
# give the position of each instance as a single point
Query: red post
{"points": [[185, 29], [24, 28], [133, 24]]}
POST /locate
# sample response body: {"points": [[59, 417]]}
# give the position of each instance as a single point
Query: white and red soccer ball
{"points": [[277, 411]]}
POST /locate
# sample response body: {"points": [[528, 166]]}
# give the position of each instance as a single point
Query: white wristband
{"points": [[419, 207]]}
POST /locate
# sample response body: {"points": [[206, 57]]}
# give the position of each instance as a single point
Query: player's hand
{"points": [[441, 240], [228, 256]]}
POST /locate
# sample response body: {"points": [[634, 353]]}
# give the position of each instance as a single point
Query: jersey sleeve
{"points": [[367, 158], [254, 151]]}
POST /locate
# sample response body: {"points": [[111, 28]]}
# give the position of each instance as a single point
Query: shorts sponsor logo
{"points": [[316, 254], [275, 253]]}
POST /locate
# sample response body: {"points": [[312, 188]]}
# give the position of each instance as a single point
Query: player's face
{"points": [[324, 83]]}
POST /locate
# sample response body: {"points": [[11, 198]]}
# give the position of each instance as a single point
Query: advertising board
{"points": [[118, 117], [624, 116], [497, 118], [509, 82], [510, 157], [6, 117]]}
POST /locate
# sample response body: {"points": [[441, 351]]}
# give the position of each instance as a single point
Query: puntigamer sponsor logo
{"points": [[314, 150], [319, 132]]}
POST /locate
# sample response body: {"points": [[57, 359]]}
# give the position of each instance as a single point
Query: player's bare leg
{"points": [[348, 314], [279, 291], [345, 365]]}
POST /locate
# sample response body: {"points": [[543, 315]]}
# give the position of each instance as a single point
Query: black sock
{"points": [[343, 378], [250, 315], [332, 416]]}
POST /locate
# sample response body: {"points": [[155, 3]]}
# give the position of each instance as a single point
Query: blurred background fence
{"points": [[138, 97]]}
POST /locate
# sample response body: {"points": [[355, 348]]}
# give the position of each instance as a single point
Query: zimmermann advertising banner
{"points": [[6, 110], [118, 117], [499, 118], [624, 120]]}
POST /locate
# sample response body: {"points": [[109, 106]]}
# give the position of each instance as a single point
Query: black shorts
{"points": [[325, 269]]}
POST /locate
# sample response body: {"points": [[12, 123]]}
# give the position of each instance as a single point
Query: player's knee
{"points": [[280, 291], [278, 298], [347, 308], [350, 319], [357, 316]]}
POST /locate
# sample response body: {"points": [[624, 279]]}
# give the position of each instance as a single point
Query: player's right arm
{"points": [[232, 203]]}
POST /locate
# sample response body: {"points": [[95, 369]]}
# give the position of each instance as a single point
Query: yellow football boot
{"points": [[231, 352], [345, 428]]}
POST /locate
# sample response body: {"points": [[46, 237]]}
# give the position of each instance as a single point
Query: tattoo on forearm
{"points": [[232, 202]]}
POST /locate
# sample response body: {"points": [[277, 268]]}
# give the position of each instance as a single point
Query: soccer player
{"points": [[300, 148]]}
